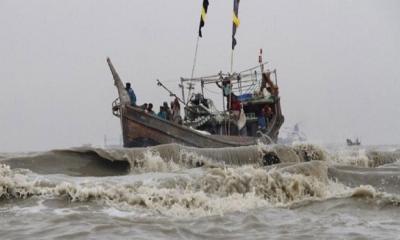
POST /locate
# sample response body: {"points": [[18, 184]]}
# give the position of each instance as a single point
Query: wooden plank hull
{"points": [[141, 129]]}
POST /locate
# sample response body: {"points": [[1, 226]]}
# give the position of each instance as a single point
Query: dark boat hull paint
{"points": [[141, 129]]}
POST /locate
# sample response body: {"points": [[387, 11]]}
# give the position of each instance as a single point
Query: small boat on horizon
{"points": [[353, 143]]}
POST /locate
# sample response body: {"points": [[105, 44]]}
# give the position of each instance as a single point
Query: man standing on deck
{"points": [[131, 93], [226, 90]]}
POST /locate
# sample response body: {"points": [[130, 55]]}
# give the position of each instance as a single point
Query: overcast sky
{"points": [[338, 63]]}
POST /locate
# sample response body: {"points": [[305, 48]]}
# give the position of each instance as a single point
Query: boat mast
{"points": [[204, 9], [235, 25], [183, 89]]}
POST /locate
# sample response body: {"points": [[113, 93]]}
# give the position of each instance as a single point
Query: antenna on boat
{"points": [[260, 60], [160, 84]]}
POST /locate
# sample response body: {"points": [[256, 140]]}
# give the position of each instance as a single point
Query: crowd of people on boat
{"points": [[264, 113], [170, 113], [267, 90]]}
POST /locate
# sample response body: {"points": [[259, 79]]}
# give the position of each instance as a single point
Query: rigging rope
{"points": [[194, 65], [195, 56]]}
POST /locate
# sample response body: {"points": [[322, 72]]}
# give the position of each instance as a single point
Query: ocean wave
{"points": [[109, 162], [363, 158], [182, 181], [163, 158], [215, 191]]}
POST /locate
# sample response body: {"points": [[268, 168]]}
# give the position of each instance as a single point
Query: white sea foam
{"points": [[163, 180], [215, 192]]}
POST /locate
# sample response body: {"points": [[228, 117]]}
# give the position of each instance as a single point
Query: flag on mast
{"points": [[203, 16], [236, 21]]}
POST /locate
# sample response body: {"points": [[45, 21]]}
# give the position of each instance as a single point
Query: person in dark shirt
{"points": [[150, 109], [162, 114], [131, 93], [262, 123], [226, 90], [235, 103], [167, 111], [144, 107], [269, 114]]}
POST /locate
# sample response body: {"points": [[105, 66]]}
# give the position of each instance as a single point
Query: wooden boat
{"points": [[140, 128], [251, 113]]}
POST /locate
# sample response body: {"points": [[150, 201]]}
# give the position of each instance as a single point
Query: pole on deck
{"points": [[223, 107], [195, 56], [183, 90], [229, 113], [232, 61], [169, 91], [194, 64], [276, 77], [202, 88]]}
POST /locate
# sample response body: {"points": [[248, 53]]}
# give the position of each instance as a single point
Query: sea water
{"points": [[175, 192]]}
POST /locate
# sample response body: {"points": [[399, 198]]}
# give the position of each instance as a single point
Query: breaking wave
{"points": [[163, 158], [363, 157], [215, 191], [180, 181]]}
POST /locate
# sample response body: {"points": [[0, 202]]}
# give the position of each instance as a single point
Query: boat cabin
{"points": [[250, 104]]}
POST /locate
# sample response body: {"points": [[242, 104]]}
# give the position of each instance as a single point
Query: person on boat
{"points": [[235, 103], [167, 111], [235, 107], [238, 115], [226, 90], [261, 120], [150, 109], [268, 88], [144, 107], [226, 86], [131, 93], [268, 113], [176, 111], [162, 114]]}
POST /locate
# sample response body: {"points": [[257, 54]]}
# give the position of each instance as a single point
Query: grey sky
{"points": [[338, 63]]}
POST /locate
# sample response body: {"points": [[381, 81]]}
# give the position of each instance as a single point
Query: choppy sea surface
{"points": [[176, 192]]}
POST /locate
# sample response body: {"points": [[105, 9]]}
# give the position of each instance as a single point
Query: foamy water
{"points": [[173, 191]]}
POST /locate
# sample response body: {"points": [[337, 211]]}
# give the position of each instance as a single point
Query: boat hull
{"points": [[141, 129]]}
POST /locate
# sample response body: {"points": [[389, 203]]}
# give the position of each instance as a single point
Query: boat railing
{"points": [[116, 107]]}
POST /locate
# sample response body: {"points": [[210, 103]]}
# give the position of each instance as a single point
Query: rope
{"points": [[230, 99], [195, 56]]}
